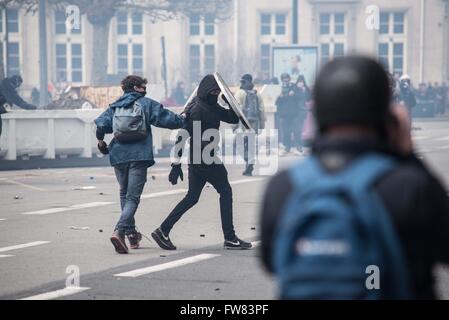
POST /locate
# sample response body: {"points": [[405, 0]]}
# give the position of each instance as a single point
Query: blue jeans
{"points": [[132, 177]]}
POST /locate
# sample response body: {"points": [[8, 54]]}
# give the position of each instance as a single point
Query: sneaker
{"points": [[249, 170], [118, 241], [237, 244], [134, 240], [162, 240]]}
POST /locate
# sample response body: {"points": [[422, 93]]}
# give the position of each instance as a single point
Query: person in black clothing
{"points": [[287, 106], [8, 94], [406, 95], [365, 123], [303, 95], [205, 111], [179, 94]]}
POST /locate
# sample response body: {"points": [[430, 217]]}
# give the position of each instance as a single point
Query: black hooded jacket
{"points": [[9, 94], [416, 200], [205, 109]]}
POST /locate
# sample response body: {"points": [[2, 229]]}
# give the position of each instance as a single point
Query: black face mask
{"points": [[212, 99]]}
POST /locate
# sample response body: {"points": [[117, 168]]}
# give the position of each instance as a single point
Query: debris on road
{"points": [[162, 256], [78, 228], [217, 289], [17, 197], [202, 235], [153, 177], [85, 188], [101, 230], [253, 228]]}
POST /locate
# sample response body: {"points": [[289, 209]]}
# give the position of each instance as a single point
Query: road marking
{"points": [[71, 208], [245, 181], [5, 255], [24, 185], [443, 139], [25, 245], [145, 196], [168, 265], [420, 138], [57, 294], [163, 193], [3, 219]]}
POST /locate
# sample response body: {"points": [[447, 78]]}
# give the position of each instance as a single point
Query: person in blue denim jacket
{"points": [[132, 159]]}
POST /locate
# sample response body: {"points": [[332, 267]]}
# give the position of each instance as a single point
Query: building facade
{"points": [[412, 37]]}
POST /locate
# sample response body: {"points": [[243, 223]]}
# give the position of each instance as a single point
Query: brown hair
{"points": [[131, 81]]}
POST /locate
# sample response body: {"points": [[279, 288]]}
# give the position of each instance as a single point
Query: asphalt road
{"points": [[50, 230]]}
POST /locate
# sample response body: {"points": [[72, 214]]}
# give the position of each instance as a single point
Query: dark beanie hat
{"points": [[247, 77], [351, 90]]}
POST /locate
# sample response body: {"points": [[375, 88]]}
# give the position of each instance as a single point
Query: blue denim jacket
{"points": [[142, 150]]}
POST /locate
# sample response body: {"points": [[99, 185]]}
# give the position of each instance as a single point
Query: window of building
{"points": [[280, 24], [13, 58], [384, 26], [383, 54], [325, 53], [265, 50], [339, 23], [122, 59], [398, 57], [202, 25], [265, 24], [61, 62], [195, 66], [273, 24], [325, 23], [77, 63], [332, 38], [195, 25], [392, 23], [209, 59], [209, 25], [138, 59], [69, 62], [393, 41], [398, 23], [137, 23], [122, 23], [60, 19], [339, 50], [13, 20]]}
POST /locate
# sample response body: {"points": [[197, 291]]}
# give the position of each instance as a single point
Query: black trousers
{"points": [[217, 176]]}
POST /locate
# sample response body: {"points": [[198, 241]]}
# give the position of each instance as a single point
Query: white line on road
{"points": [[163, 193], [25, 245], [145, 196], [71, 208], [5, 255], [168, 265], [443, 139], [57, 294], [24, 185], [3, 219]]}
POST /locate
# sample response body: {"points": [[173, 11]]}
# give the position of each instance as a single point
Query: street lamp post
{"points": [[43, 81]]}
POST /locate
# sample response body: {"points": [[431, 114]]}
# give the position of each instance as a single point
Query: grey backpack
{"points": [[129, 123], [251, 108]]}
